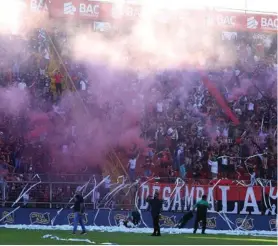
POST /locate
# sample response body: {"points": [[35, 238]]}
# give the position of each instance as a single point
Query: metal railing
{"points": [[58, 195]]}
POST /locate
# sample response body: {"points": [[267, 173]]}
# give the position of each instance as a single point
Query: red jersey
{"points": [[58, 78]]}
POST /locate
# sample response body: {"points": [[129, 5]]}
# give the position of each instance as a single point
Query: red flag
{"points": [[220, 100]]}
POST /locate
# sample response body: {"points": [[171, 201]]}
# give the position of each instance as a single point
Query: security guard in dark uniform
{"points": [[202, 208], [155, 206]]}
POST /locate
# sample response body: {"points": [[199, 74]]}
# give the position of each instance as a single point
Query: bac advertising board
{"points": [[107, 217]]}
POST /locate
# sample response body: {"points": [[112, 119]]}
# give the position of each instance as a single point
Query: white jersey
{"points": [[132, 163], [224, 161]]}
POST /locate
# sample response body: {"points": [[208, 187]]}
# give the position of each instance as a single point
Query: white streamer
{"points": [[95, 184], [177, 185], [262, 124], [232, 157], [93, 190], [28, 183], [263, 186], [23, 189], [68, 239], [240, 227], [226, 220], [135, 183], [9, 213], [31, 187], [85, 187], [122, 186], [96, 216], [241, 183], [61, 209], [109, 217], [269, 194], [224, 217], [260, 183], [136, 199], [115, 189], [216, 184]]}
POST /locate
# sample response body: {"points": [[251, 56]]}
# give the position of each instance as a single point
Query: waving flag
{"points": [[220, 100]]}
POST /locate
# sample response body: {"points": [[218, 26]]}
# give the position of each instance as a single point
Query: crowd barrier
{"points": [[179, 196], [256, 205], [108, 217], [57, 194]]}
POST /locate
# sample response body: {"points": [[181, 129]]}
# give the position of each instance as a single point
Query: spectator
{"points": [[132, 167], [58, 82]]}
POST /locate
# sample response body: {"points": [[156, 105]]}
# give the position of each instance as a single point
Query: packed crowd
{"points": [[194, 139], [23, 66], [190, 137]]}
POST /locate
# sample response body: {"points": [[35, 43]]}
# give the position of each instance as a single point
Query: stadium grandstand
{"points": [[123, 99]]}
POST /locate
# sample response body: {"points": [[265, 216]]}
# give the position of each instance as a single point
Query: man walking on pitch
{"points": [[156, 206], [202, 208], [78, 210]]}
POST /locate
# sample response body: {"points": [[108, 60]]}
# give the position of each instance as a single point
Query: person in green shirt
{"points": [[201, 215]]}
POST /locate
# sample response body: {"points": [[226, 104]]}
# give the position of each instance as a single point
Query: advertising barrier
{"points": [[243, 22], [80, 9], [108, 11], [107, 217]]}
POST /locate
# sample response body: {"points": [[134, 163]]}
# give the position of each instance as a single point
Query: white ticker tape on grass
{"points": [[141, 230], [73, 239], [68, 239]]}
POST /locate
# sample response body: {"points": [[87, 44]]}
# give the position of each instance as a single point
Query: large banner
{"points": [[233, 199], [112, 11], [107, 217]]}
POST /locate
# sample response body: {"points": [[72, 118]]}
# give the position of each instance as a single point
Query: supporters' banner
{"points": [[80, 9], [239, 198], [108, 217]]}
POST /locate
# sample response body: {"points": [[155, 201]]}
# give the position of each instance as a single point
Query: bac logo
{"points": [[9, 219], [167, 221], [273, 224], [39, 218], [70, 218], [252, 23], [211, 223], [246, 224], [69, 8]]}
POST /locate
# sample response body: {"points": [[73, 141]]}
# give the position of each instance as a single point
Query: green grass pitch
{"points": [[24, 237]]}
